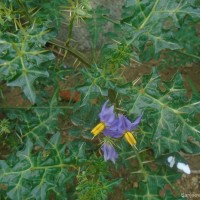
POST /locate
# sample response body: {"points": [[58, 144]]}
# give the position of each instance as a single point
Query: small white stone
{"points": [[184, 167], [171, 160]]}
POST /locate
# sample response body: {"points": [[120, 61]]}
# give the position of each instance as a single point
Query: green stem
{"points": [[140, 163], [111, 20], [69, 35], [73, 51]]}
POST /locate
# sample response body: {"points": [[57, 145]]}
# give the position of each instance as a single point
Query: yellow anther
{"points": [[98, 129], [130, 138]]}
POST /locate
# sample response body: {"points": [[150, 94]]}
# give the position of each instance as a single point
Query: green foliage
{"points": [[98, 81], [96, 24], [34, 175], [92, 183], [83, 120], [159, 178], [4, 126], [190, 52], [33, 122], [21, 58], [150, 27], [170, 117], [45, 11], [55, 156], [115, 55], [79, 9], [6, 136]]}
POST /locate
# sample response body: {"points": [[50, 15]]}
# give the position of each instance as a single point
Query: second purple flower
{"points": [[107, 118]]}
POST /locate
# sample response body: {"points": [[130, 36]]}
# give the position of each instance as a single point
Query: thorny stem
{"points": [[66, 45], [140, 163], [111, 20], [69, 35], [73, 51]]}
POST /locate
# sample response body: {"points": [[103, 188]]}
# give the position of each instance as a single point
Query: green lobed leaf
{"points": [[32, 175], [188, 38], [97, 82], [37, 122], [155, 183], [83, 120], [170, 118], [96, 24], [152, 25], [25, 81], [22, 56]]}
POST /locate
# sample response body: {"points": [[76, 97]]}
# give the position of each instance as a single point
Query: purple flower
{"points": [[114, 130], [107, 117], [126, 127], [109, 152]]}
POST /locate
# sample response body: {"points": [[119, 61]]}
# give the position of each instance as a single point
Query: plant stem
{"points": [[73, 51], [66, 45], [111, 20], [69, 35], [140, 163]]}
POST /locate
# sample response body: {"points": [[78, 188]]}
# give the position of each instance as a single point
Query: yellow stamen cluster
{"points": [[130, 138], [98, 128]]}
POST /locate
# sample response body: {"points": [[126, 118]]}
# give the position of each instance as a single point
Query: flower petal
{"points": [[114, 133], [113, 130], [136, 122], [107, 115], [125, 124], [113, 155], [105, 150], [109, 152]]}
